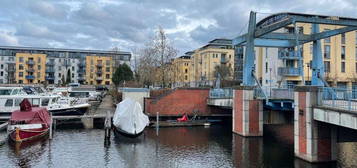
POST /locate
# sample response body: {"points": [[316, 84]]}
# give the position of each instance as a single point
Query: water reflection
{"points": [[215, 146]]}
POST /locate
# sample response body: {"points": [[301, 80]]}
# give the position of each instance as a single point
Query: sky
{"points": [[130, 24]]}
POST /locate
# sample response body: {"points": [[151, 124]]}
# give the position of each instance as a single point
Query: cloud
{"points": [[104, 24]]}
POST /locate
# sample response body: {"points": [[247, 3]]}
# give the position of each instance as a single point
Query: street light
{"points": [[308, 72]]}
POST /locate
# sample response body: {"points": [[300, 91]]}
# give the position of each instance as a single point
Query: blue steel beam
{"points": [[286, 39], [326, 34], [248, 67], [317, 60]]}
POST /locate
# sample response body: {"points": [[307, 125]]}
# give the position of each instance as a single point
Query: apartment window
{"points": [[343, 38], [186, 71], [59, 75], [328, 39], [21, 59], [39, 59], [2, 66], [21, 74], [21, 67], [2, 73], [39, 67], [107, 76], [20, 82], [107, 69], [72, 75], [343, 67], [327, 50], [91, 62], [343, 52], [107, 62], [72, 68], [327, 66]]}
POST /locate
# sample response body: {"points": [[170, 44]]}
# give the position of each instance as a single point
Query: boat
{"points": [[129, 119], [28, 123]]}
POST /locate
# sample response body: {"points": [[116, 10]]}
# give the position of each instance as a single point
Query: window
{"points": [[186, 70], [39, 59], [39, 67], [327, 66], [39, 74], [107, 76], [356, 53], [21, 74], [36, 102], [21, 59], [9, 103], [311, 48], [72, 68], [44, 102], [72, 75], [59, 75], [21, 82], [343, 68], [343, 52], [343, 38], [18, 101], [107, 69], [356, 67], [185, 77], [21, 67], [107, 62], [327, 50], [1, 73], [328, 39]]}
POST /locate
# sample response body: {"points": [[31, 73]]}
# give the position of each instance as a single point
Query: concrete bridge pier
{"points": [[247, 112], [314, 141]]}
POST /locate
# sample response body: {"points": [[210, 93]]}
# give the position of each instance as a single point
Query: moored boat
{"points": [[129, 119], [28, 123]]}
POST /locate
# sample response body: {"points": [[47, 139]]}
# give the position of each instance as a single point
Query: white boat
{"points": [[10, 98], [129, 119]]}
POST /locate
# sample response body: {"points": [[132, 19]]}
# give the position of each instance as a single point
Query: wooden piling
{"points": [[107, 127]]}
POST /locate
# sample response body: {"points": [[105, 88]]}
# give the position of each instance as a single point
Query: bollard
{"points": [[157, 123], [107, 126]]}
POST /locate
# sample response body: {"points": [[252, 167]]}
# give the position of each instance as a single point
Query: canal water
{"points": [[213, 146]]}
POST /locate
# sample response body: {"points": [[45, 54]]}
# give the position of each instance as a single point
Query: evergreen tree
{"points": [[121, 74]]}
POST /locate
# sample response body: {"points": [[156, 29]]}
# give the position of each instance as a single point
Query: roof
{"points": [[65, 50]]}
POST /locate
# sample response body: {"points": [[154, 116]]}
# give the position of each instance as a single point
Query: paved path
{"points": [[105, 105]]}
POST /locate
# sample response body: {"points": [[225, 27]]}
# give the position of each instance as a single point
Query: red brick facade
{"points": [[178, 102]]}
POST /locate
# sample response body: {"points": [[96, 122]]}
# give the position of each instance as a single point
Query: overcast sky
{"points": [[126, 24]]}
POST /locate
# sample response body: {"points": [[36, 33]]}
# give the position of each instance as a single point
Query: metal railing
{"points": [[288, 71], [340, 98], [226, 93]]}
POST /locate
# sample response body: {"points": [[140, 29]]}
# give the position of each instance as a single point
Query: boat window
{"points": [[35, 101], [18, 101], [44, 102], [9, 103], [15, 92], [54, 100], [5, 92]]}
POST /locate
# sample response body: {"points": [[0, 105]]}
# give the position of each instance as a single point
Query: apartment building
{"points": [[181, 71], [99, 70], [56, 66]]}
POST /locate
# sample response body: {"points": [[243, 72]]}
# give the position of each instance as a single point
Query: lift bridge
{"points": [[262, 34]]}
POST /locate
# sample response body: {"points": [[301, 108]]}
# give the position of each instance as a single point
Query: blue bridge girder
{"points": [[261, 35]]}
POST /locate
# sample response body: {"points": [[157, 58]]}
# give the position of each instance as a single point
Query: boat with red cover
{"points": [[29, 122]]}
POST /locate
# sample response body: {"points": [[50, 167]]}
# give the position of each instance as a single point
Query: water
{"points": [[213, 146]]}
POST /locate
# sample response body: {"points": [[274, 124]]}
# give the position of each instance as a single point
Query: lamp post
{"points": [[308, 72]]}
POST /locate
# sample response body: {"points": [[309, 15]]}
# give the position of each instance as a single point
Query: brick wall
{"points": [[179, 101]]}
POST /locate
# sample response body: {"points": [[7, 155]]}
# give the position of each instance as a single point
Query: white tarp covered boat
{"points": [[129, 118]]}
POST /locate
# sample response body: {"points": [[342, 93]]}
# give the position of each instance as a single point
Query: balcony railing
{"points": [[99, 65], [50, 64], [288, 71], [99, 78], [30, 77], [99, 72], [50, 78], [30, 62], [81, 78], [30, 70], [288, 55], [50, 70], [221, 93]]}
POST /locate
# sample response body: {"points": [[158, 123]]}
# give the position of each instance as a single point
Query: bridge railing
{"points": [[222, 93], [340, 98], [279, 92]]}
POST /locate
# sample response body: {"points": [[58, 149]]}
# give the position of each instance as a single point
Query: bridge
{"points": [[318, 109]]}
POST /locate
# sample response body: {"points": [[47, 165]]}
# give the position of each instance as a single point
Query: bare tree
{"points": [[223, 70], [164, 52]]}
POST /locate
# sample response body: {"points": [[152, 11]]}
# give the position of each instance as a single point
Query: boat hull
{"points": [[69, 111], [22, 135], [126, 134]]}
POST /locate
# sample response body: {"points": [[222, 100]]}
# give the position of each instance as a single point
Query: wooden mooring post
{"points": [[107, 127]]}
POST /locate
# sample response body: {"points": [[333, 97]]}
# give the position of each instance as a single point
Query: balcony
{"points": [[30, 77], [288, 71], [50, 70], [30, 70], [99, 65], [30, 62], [81, 78], [284, 54], [99, 72], [50, 64], [224, 60], [99, 78], [50, 78]]}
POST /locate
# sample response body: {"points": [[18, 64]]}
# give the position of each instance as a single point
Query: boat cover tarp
{"points": [[129, 117], [30, 115]]}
